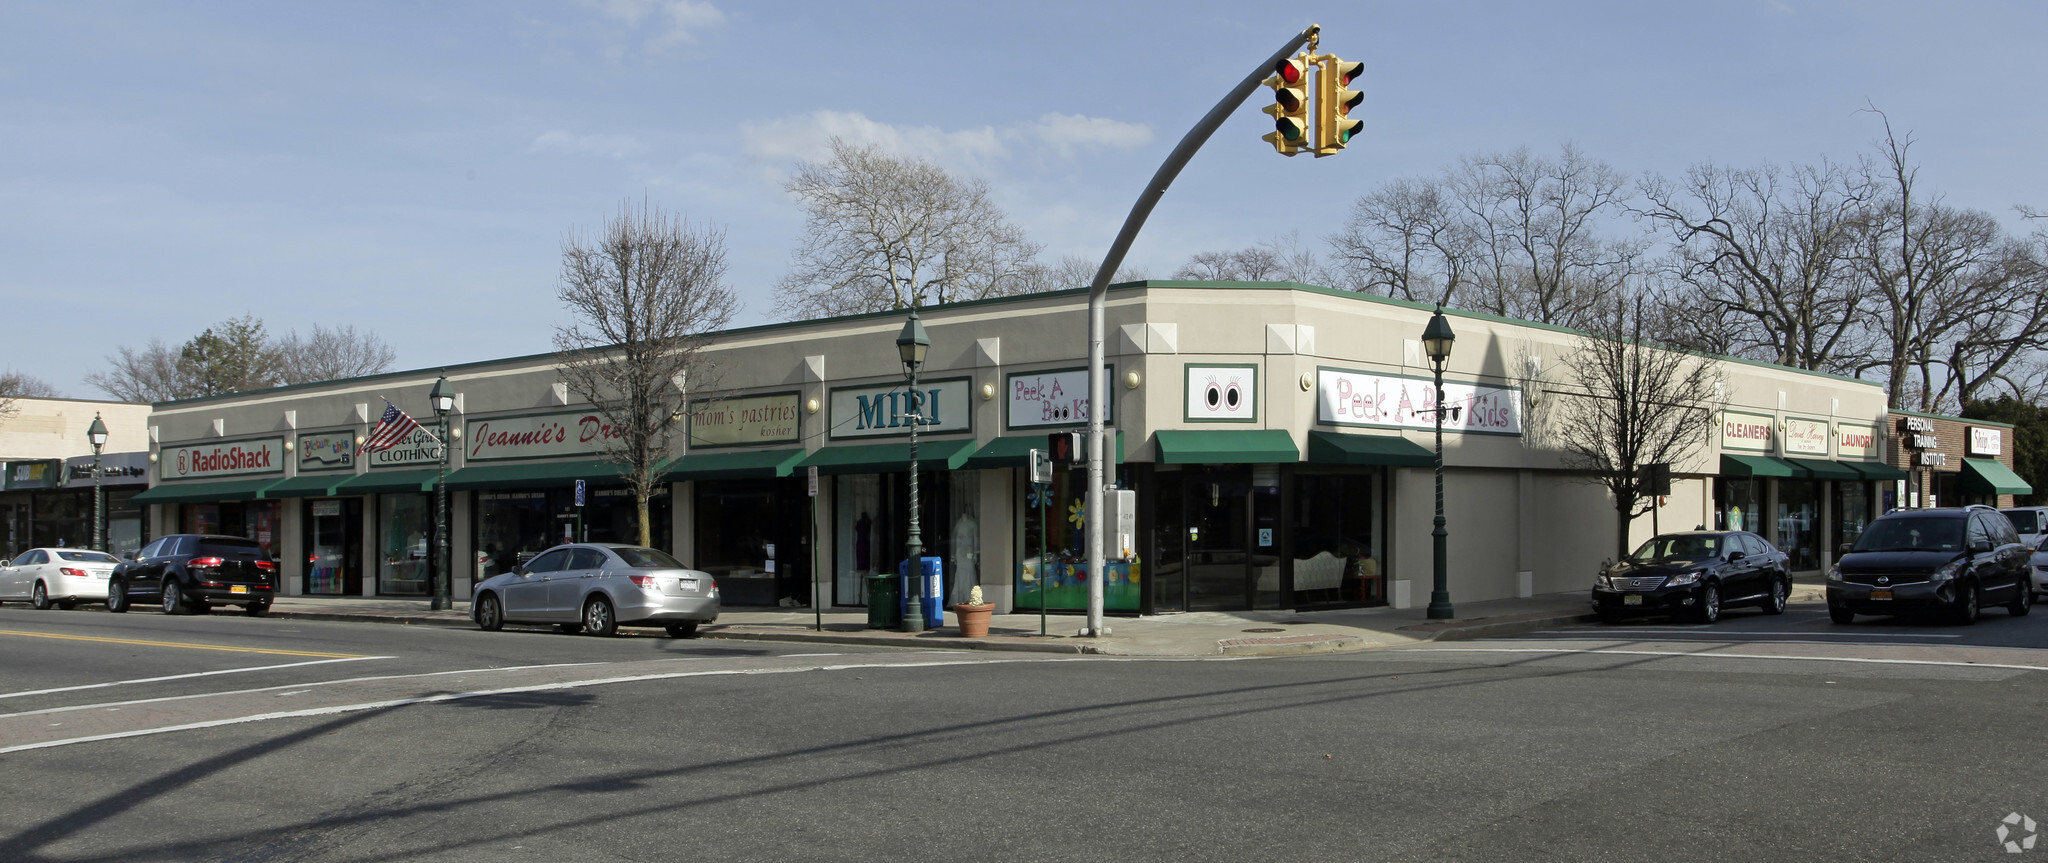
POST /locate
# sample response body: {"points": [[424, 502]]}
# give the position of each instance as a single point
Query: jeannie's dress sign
{"points": [[537, 436]]}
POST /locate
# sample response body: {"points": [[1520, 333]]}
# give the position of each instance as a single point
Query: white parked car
{"points": [[56, 576]]}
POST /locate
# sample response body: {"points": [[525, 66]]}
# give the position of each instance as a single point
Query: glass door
{"points": [[405, 522], [1169, 550], [1218, 522], [334, 547]]}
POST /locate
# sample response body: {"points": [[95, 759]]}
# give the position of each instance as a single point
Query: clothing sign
{"points": [[206, 461], [1855, 441], [1806, 437], [419, 446], [1362, 399], [1056, 398], [1228, 394], [326, 451], [742, 421], [1748, 432], [571, 433], [1985, 441], [859, 412]]}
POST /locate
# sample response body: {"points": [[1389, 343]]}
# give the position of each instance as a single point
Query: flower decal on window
{"points": [[1077, 513]]}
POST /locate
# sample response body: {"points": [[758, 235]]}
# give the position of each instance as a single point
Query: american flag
{"points": [[392, 429]]}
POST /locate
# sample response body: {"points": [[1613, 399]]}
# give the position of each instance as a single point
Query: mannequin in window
{"points": [[966, 554]]}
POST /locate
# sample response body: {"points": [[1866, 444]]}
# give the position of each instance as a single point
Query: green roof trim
{"points": [[1227, 446], [1015, 451], [1339, 448], [1990, 476], [391, 482], [204, 492], [740, 464], [526, 474], [1755, 465], [1819, 468], [891, 457], [309, 485], [1876, 470]]}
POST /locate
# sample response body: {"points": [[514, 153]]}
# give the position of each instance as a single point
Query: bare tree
{"points": [[648, 293], [1538, 221], [882, 232], [1281, 259], [1406, 240], [332, 354], [1629, 402], [1078, 271], [1771, 248], [151, 374], [17, 385]]}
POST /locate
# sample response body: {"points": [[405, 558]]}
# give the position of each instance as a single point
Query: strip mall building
{"points": [[1276, 436]]}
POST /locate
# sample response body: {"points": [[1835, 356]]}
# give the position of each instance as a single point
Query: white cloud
{"points": [[679, 20], [599, 146], [808, 137], [1066, 132]]}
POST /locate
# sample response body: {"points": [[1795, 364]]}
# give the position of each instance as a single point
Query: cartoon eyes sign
{"points": [[1222, 393]]}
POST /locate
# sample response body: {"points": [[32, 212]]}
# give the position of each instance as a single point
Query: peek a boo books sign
{"points": [[1346, 398]]}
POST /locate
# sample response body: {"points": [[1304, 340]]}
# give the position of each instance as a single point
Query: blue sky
{"points": [[412, 168]]}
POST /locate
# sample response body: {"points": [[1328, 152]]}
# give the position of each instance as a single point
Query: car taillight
{"points": [[312, 558], [646, 581], [204, 561], [265, 565], [74, 573]]}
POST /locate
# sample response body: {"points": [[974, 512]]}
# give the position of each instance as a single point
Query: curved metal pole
{"points": [[1098, 301]]}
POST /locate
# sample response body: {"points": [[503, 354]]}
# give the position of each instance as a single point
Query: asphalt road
{"points": [[1587, 743]]}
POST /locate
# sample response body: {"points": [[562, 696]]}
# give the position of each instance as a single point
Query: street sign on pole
{"points": [[811, 474], [1041, 467], [579, 492]]}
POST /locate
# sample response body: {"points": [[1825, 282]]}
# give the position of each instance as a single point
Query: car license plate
{"points": [[1880, 594], [238, 589], [1631, 600]]}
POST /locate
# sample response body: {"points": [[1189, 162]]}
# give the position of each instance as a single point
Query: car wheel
{"points": [[40, 597], [1841, 614], [2024, 603], [256, 609], [174, 599], [1710, 604], [1967, 604], [117, 597], [598, 617], [682, 630], [568, 628], [1780, 590], [489, 617]]}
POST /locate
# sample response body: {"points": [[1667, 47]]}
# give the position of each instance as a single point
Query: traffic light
{"points": [[1290, 106], [1334, 101], [1066, 448]]}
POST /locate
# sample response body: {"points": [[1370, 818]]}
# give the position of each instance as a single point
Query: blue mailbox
{"points": [[927, 589]]}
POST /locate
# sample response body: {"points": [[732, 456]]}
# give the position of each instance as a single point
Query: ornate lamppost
{"points": [[443, 399], [911, 345], [1436, 342], [97, 432]]}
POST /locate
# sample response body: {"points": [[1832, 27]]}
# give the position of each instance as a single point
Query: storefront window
{"points": [[736, 522], [511, 527], [860, 526], [334, 547], [405, 524], [1336, 548], [251, 519], [1799, 522], [125, 525], [1738, 504], [1851, 511], [963, 558]]}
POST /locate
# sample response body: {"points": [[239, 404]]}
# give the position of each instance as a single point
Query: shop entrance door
{"points": [[1217, 513], [334, 547]]}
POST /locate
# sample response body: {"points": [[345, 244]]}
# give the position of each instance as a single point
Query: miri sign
{"points": [[858, 412], [742, 421]]}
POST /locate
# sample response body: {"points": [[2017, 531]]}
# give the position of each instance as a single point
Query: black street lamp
{"points": [[1436, 342], [443, 399], [97, 432], [911, 345]]}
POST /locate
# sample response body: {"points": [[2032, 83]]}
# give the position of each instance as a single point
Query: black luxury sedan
{"points": [[187, 573], [1951, 560], [1695, 574]]}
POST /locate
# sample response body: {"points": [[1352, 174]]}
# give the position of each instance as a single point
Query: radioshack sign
{"points": [[205, 461]]}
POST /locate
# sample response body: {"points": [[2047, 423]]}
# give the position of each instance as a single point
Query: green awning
{"points": [[1876, 470], [527, 474], [1240, 446], [306, 485], [1819, 468], [1015, 451], [390, 482], [1338, 448], [1755, 465], [204, 492], [735, 464], [890, 457], [1990, 476]]}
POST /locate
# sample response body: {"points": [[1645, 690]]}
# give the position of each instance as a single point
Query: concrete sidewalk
{"points": [[1195, 634]]}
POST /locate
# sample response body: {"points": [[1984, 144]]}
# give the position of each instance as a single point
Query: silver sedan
{"points": [[595, 587]]}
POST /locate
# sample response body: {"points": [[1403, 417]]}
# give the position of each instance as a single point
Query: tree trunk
{"points": [[1621, 523], [646, 530]]}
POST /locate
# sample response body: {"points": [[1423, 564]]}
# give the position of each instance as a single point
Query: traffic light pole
{"points": [[1098, 301]]}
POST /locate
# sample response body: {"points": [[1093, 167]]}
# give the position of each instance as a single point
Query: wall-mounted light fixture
{"points": [[1132, 379], [1308, 381], [988, 391], [811, 406]]}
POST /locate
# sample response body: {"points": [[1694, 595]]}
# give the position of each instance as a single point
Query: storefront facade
{"points": [[46, 474], [1951, 461], [1274, 440]]}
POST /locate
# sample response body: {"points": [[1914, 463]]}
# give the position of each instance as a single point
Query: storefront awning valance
{"points": [[1989, 476], [1818, 468], [890, 457], [1015, 451], [390, 482], [1239, 446], [1755, 465], [309, 485], [1339, 448], [1877, 470], [737, 464], [535, 474], [204, 492]]}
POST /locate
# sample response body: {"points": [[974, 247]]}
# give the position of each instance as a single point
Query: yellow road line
{"points": [[179, 644]]}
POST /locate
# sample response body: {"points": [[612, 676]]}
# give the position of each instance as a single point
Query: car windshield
{"points": [[1912, 534], [88, 556], [2023, 520], [647, 558], [1679, 547]]}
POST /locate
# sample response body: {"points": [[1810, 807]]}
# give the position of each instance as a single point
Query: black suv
{"points": [[1695, 573], [1950, 560], [187, 573]]}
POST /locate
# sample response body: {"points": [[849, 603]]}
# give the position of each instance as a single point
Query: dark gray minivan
{"points": [[1950, 560]]}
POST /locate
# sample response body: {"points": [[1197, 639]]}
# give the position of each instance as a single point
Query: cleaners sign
{"points": [[207, 461], [1362, 399], [1748, 432]]}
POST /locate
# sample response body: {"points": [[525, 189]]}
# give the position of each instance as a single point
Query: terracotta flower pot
{"points": [[973, 619]]}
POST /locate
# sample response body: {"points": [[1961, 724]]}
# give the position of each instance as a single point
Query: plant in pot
{"points": [[973, 614]]}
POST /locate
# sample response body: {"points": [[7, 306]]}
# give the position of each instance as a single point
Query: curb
{"points": [[370, 618], [938, 643]]}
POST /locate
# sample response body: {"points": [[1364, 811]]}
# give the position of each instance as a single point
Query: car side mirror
{"points": [[1845, 547], [1980, 546], [1734, 556]]}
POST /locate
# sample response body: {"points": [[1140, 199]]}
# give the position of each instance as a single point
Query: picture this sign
{"points": [[1748, 432], [208, 461], [327, 451], [1056, 398], [419, 447], [1855, 441], [1806, 437], [1219, 393], [744, 421], [1348, 398], [537, 436], [1985, 441], [858, 412]]}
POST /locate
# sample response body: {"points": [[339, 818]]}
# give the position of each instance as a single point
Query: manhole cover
{"points": [[1267, 629]]}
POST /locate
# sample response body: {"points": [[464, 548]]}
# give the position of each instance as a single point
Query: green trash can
{"points": [[885, 603]]}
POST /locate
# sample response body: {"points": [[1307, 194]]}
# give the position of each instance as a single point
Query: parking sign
{"points": [[579, 492]]}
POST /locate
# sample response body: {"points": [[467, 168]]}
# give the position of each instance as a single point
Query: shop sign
{"points": [[1748, 432], [743, 421], [206, 461], [1056, 398], [858, 412], [116, 468], [1931, 459], [1855, 441], [1221, 394], [1806, 437], [1918, 433], [419, 447], [327, 451], [34, 474], [1361, 399], [1985, 441], [536, 436]]}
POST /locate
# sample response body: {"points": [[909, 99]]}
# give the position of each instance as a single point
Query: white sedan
{"points": [[43, 577]]}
